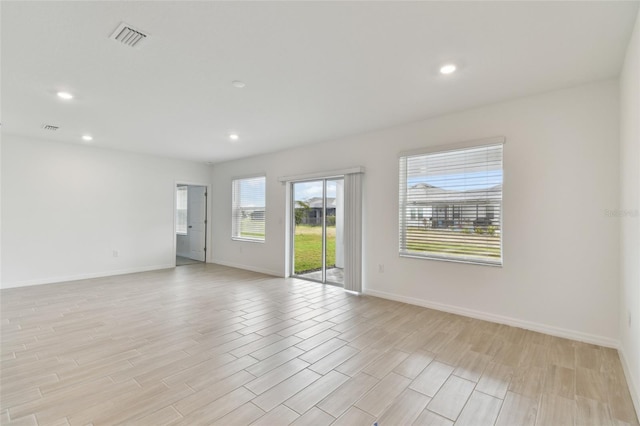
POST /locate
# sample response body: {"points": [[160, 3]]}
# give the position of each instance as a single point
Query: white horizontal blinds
{"points": [[451, 204], [248, 208], [181, 210]]}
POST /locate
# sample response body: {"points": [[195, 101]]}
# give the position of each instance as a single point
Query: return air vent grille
{"points": [[50, 127], [129, 36]]}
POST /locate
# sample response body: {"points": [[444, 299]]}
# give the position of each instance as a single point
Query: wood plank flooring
{"points": [[207, 344]]}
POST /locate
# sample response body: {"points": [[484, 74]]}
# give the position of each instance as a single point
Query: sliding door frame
{"points": [[352, 224], [292, 229]]}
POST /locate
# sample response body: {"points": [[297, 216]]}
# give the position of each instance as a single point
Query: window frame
{"points": [[235, 227], [402, 202], [184, 188]]}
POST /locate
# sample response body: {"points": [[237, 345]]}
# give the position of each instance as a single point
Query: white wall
{"points": [[561, 251], [629, 212], [66, 207]]}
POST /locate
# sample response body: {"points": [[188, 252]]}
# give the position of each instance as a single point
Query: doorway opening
{"points": [[317, 237], [191, 224]]}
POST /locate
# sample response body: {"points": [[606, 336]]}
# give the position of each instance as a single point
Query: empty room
{"points": [[320, 213]]}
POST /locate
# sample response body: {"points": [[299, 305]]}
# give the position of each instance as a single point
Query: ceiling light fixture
{"points": [[234, 136], [65, 95], [239, 84], [448, 69], [87, 138]]}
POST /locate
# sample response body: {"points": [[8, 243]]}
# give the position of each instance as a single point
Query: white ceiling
{"points": [[314, 71]]}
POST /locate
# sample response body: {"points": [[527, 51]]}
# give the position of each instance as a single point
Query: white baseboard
{"points": [[85, 276], [529, 325], [248, 268], [634, 387]]}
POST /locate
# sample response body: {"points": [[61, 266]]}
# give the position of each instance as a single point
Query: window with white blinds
{"points": [[248, 209], [181, 210], [451, 204]]}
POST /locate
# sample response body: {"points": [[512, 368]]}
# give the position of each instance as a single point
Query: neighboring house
{"points": [[433, 207], [312, 212], [257, 215]]}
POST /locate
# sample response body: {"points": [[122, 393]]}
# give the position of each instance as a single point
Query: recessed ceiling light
{"points": [[239, 84], [234, 136], [448, 69], [65, 95], [87, 138]]}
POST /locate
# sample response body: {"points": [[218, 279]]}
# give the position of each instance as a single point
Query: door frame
{"points": [[207, 233], [290, 199]]}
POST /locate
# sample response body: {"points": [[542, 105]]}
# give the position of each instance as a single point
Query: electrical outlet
{"points": [[629, 319], [380, 268], [116, 253]]}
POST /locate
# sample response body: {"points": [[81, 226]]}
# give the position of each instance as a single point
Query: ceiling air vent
{"points": [[50, 127], [129, 36]]}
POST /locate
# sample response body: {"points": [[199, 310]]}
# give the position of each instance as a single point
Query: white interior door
{"points": [[196, 217]]}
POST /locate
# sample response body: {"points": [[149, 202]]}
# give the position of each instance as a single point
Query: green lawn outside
{"points": [[308, 248], [453, 242], [252, 228]]}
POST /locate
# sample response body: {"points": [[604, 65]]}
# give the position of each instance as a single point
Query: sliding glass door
{"points": [[318, 230]]}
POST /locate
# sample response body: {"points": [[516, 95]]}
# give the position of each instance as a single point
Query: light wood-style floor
{"points": [[206, 344]]}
